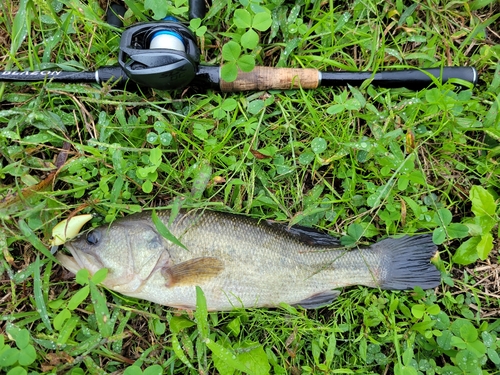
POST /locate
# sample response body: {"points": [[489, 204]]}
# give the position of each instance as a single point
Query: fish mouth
{"points": [[79, 260]]}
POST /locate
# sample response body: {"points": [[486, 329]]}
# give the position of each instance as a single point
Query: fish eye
{"points": [[93, 237]]}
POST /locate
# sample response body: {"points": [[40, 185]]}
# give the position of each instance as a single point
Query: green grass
{"points": [[361, 163]]}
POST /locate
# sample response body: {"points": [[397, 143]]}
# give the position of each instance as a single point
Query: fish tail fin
{"points": [[409, 260]]}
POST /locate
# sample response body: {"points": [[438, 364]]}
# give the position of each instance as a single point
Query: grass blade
{"points": [[41, 307]]}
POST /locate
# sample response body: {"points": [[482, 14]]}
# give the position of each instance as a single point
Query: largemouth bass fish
{"points": [[242, 262]]}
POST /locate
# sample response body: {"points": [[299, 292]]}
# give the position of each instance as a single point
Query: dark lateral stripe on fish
{"points": [[305, 235], [411, 263]]}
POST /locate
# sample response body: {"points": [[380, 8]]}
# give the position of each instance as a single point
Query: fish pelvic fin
{"points": [[410, 263], [192, 272]]}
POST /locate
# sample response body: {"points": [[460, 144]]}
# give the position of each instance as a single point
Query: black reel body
{"points": [[162, 55]]}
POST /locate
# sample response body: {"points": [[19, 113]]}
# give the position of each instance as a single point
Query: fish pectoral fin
{"points": [[192, 272], [319, 300]]}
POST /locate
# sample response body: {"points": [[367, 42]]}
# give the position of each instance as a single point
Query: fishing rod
{"points": [[164, 55]]}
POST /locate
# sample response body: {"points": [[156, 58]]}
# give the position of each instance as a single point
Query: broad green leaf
{"points": [[483, 202], [222, 367], [235, 326], [433, 309], [451, 370], [133, 370], [178, 323], [254, 358], [318, 145], [486, 223], [456, 230], [78, 298], [488, 339], [334, 109], [155, 156], [200, 131], [229, 104], [262, 21], [478, 4], [358, 96], [242, 19], [194, 23], [27, 356], [159, 327], [438, 235], [82, 276], [468, 333], [467, 361], [306, 157], [159, 8], [228, 356], [255, 106], [164, 231], [352, 105], [145, 172], [165, 139], [458, 342], [355, 230], [246, 63], [152, 137], [67, 330], [494, 356], [61, 318], [460, 326], [477, 348], [406, 370], [153, 370], [18, 370], [250, 39], [99, 276], [467, 251], [485, 246], [444, 217], [231, 51], [229, 71], [8, 357], [418, 311], [408, 12], [22, 338]]}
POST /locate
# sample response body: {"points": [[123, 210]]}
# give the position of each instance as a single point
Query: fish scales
{"points": [[241, 262]]}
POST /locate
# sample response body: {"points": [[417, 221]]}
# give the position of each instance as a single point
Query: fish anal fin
{"points": [[192, 272], [319, 300]]}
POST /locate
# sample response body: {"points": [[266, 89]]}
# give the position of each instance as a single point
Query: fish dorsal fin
{"points": [[308, 236], [319, 300], [192, 272]]}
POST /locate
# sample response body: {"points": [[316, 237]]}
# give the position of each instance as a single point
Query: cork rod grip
{"points": [[265, 78]]}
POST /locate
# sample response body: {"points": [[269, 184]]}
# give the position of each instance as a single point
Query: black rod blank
{"points": [[208, 77]]}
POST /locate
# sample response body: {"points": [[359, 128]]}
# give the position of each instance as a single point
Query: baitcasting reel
{"points": [[163, 55]]}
